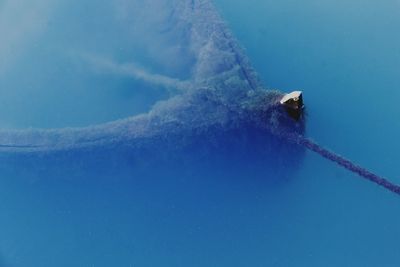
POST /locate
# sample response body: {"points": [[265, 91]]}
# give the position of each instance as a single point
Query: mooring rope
{"points": [[347, 164]]}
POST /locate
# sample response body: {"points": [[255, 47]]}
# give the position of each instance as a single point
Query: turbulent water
{"points": [[165, 148]]}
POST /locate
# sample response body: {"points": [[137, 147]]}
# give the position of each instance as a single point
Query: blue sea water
{"points": [[344, 55]]}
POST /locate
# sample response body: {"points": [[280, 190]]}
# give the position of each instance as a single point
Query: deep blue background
{"points": [[344, 55]]}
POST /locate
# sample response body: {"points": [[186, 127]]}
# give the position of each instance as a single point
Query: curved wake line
{"points": [[347, 164], [19, 146]]}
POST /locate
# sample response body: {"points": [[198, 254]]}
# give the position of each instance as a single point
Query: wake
{"points": [[226, 91], [341, 161]]}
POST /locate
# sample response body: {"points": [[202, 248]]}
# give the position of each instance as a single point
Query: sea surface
{"points": [[54, 72]]}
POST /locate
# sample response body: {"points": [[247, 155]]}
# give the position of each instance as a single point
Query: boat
{"points": [[293, 102]]}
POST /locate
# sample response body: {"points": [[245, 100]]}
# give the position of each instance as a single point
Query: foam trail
{"points": [[222, 82], [227, 94], [134, 71], [347, 164]]}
